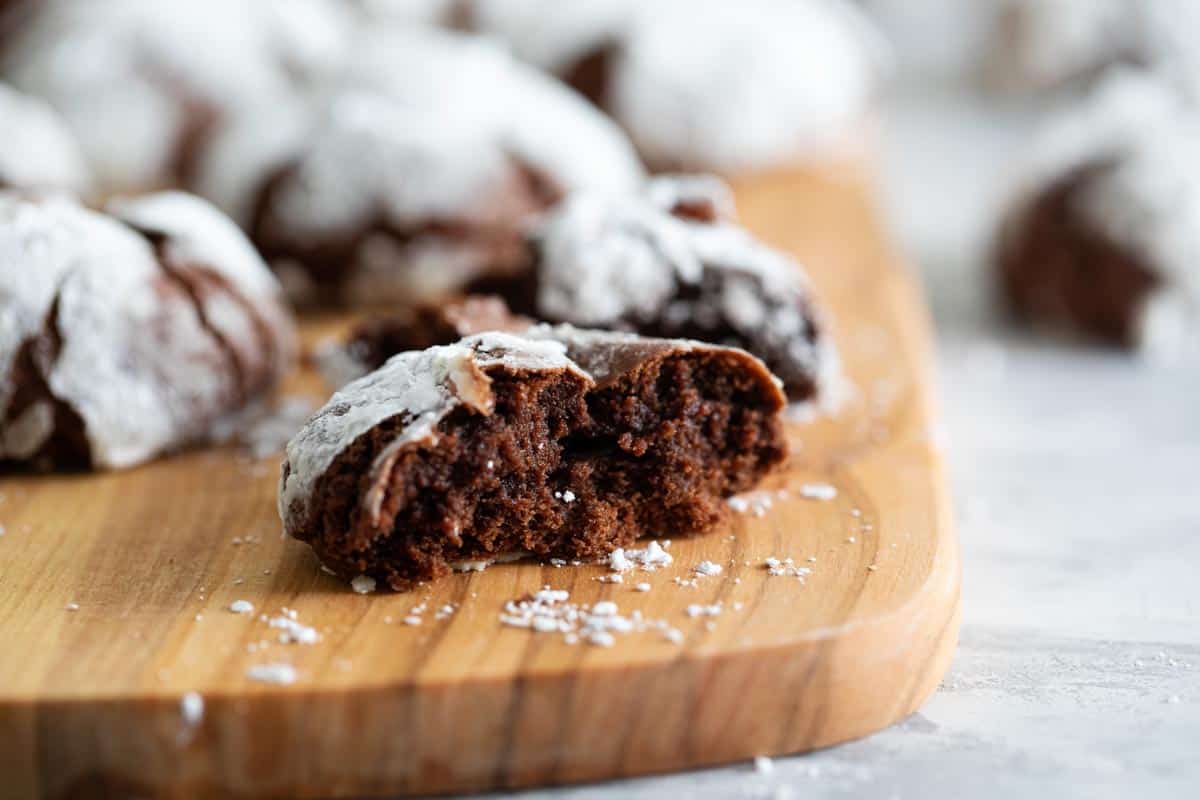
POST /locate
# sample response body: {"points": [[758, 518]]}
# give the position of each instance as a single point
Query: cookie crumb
{"points": [[293, 631], [281, 674], [191, 708], [818, 491], [701, 610], [241, 607], [363, 584]]}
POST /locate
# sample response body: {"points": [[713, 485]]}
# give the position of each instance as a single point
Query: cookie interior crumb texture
{"points": [[470, 450]]}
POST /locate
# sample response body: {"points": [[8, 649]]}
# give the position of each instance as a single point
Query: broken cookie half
{"points": [[554, 443]]}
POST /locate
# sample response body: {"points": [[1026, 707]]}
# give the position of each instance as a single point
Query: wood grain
{"points": [[90, 697]]}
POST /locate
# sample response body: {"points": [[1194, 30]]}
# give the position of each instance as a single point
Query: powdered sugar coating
{"points": [[1148, 201], [689, 192], [731, 87], [37, 152], [552, 34], [1041, 44], [439, 98], [134, 359], [545, 124], [627, 262], [406, 12], [421, 387], [707, 84], [131, 76], [420, 127], [374, 156], [196, 233]]}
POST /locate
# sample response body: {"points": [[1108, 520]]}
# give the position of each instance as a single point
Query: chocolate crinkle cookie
{"points": [[38, 153], [129, 333], [666, 262], [554, 443], [419, 176], [1043, 45], [706, 84], [143, 84], [1103, 238], [671, 263]]}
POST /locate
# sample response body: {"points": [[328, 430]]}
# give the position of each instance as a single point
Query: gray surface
{"points": [[1076, 477]]}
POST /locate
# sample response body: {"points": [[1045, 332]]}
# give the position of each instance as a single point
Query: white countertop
{"points": [[1076, 478]]}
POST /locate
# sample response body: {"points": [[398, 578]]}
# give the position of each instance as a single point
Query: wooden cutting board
{"points": [[115, 592]]}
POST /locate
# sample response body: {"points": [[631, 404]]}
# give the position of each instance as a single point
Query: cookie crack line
{"points": [[37, 355], [186, 283]]}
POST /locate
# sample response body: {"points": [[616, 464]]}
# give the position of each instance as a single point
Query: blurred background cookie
{"points": [[143, 83], [38, 151], [1104, 238], [419, 175], [708, 85]]}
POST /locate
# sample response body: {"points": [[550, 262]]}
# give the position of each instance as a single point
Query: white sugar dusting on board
{"points": [[786, 567], [191, 708], [648, 559], [293, 632], [363, 584], [756, 503], [818, 491], [550, 611], [278, 673], [191, 714]]}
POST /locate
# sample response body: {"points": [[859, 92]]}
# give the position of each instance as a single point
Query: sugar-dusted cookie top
{"points": [[38, 151], [706, 84], [142, 83], [669, 262], [131, 333], [433, 153]]}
